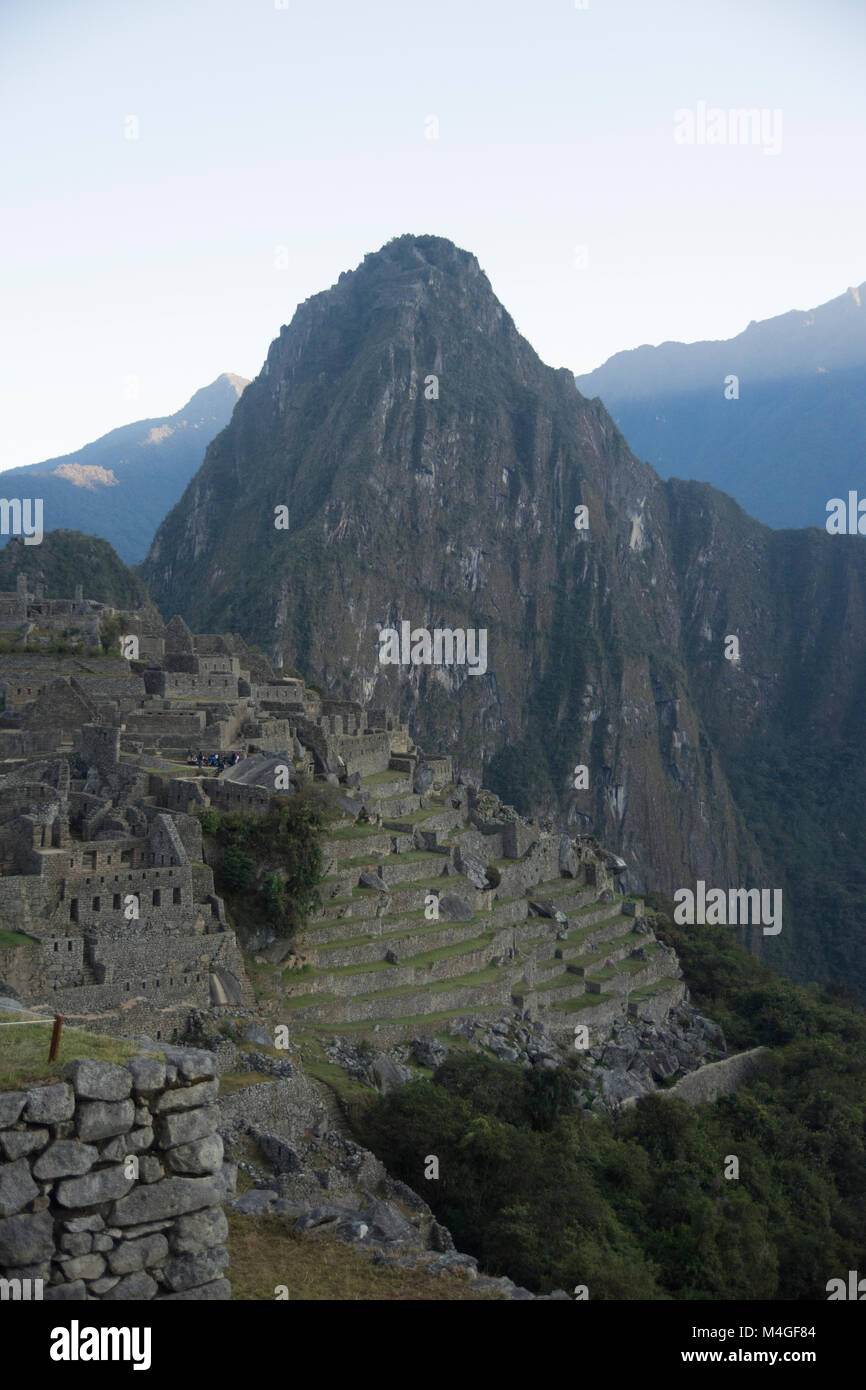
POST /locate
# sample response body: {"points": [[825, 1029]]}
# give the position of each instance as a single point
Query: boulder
{"points": [[547, 909], [428, 1052], [567, 858], [471, 868], [423, 779], [255, 1203], [370, 880], [389, 1075], [453, 907]]}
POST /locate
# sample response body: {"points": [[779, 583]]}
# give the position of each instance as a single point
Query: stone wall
{"points": [[21, 970], [717, 1078], [112, 1182]]}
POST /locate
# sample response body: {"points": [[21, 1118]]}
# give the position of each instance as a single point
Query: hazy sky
{"points": [[276, 146]]}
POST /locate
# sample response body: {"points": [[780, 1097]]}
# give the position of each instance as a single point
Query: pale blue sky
{"points": [[304, 128]]}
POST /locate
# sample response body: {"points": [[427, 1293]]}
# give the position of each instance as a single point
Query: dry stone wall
{"points": [[112, 1182]]}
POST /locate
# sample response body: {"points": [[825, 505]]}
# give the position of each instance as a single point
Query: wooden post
{"points": [[55, 1037]]}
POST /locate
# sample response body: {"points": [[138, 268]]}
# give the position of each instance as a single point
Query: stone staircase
{"points": [[379, 960]]}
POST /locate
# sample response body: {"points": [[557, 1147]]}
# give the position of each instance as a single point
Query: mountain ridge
{"points": [[432, 466], [120, 485]]}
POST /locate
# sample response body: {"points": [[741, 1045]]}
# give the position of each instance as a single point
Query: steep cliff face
{"points": [[432, 465]]}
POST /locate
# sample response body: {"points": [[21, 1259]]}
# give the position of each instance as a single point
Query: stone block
{"points": [[15, 1143], [187, 1097], [183, 1126], [102, 1186], [93, 1080], [201, 1156], [76, 1244], [84, 1223], [170, 1197], [132, 1288], [199, 1231], [49, 1105], [100, 1287], [26, 1239], [65, 1158], [100, 1119], [66, 1293], [189, 1271], [125, 1144], [84, 1267], [11, 1105], [150, 1169], [133, 1255], [148, 1074], [17, 1188], [193, 1064]]}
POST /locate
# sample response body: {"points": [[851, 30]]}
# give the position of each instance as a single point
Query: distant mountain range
{"points": [[121, 486], [783, 439]]}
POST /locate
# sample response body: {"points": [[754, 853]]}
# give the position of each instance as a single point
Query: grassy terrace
{"points": [[415, 816], [459, 948], [418, 929], [24, 1051], [477, 977], [409, 1021], [382, 779], [15, 938], [566, 979], [655, 988], [581, 1001]]}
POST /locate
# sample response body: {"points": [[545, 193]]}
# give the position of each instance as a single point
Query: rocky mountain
{"points": [[67, 558], [122, 485], [784, 438], [405, 457]]}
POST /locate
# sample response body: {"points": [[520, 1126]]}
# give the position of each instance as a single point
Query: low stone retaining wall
{"points": [[112, 1183]]}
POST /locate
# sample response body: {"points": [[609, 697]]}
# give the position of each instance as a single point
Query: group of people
{"points": [[196, 758]]}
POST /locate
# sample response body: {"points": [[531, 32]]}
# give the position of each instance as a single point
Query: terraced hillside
{"points": [[445, 904]]}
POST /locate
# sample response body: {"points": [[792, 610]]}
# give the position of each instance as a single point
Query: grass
{"points": [[267, 1255], [583, 1001], [239, 1080], [655, 988], [24, 1052], [15, 938], [409, 1021]]}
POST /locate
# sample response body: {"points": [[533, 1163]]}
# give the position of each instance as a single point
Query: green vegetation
{"points": [[636, 1205], [266, 1254], [15, 938], [272, 864], [67, 558], [24, 1050]]}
